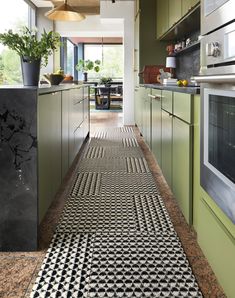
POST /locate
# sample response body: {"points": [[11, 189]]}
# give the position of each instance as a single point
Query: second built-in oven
{"points": [[215, 14], [217, 78]]}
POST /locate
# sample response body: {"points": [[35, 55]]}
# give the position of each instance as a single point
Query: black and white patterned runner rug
{"points": [[115, 237]]}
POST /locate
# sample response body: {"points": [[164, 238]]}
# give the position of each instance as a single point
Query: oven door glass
{"points": [[219, 133]]}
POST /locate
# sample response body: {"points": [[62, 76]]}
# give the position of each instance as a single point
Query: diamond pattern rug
{"points": [[115, 237]]}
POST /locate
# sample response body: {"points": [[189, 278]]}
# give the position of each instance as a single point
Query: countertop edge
{"points": [[189, 90]]}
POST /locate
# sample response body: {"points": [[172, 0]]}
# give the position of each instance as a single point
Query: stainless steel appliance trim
{"points": [[217, 18], [218, 48], [219, 79]]}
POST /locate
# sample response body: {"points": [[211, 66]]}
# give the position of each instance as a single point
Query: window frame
{"points": [[102, 44]]}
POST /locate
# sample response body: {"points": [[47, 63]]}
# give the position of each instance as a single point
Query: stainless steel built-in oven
{"points": [[217, 78], [216, 13]]}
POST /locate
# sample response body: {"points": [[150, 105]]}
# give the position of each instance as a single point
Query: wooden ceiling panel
{"points": [[89, 7]]}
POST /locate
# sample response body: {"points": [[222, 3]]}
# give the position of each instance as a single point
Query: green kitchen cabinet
{"points": [[215, 231], [182, 166], [139, 91], [65, 131], [187, 5], [147, 116], [86, 112], [167, 109], [156, 131], [162, 17], [175, 12], [76, 118], [49, 148]]}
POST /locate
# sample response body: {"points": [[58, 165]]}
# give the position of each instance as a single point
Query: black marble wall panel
{"points": [[188, 65], [18, 170]]}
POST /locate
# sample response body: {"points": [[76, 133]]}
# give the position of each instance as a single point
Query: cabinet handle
{"points": [[157, 97]]}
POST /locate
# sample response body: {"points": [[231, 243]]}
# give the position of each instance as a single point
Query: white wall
{"points": [[124, 10], [92, 26], [43, 22]]}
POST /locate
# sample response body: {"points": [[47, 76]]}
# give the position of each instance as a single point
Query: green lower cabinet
{"points": [[139, 107], [182, 166], [147, 116], [49, 149], [215, 231], [65, 132], [156, 131], [166, 163], [217, 244]]}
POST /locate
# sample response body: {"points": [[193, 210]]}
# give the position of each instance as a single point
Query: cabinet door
{"points": [[187, 5], [56, 140], [49, 149], [174, 12], [147, 117], [162, 17], [156, 125], [86, 111], [182, 166], [65, 131], [167, 147], [139, 107]]}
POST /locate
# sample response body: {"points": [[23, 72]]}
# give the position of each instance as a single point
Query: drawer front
{"points": [[78, 114], [183, 106], [76, 95], [156, 92], [167, 101]]}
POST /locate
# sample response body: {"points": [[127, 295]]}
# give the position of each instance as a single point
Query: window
{"points": [[22, 15], [70, 58], [111, 57]]}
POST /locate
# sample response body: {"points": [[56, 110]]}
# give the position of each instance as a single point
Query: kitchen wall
{"points": [[188, 65], [44, 23], [151, 51]]}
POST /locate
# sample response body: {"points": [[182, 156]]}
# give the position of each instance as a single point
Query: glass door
{"points": [[219, 133]]}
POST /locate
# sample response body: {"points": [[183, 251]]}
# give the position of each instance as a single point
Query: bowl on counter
{"points": [[54, 78]]}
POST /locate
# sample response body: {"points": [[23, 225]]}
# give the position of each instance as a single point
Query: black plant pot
{"points": [[30, 71], [85, 76]]}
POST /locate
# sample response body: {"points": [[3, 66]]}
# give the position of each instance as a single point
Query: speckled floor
{"points": [[18, 271]]}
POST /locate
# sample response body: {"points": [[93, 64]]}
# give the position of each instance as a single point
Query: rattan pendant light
{"points": [[64, 12]]}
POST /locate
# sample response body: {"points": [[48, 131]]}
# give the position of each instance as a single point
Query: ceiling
{"points": [[88, 7], [98, 40]]}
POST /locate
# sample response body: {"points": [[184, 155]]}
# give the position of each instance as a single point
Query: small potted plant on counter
{"points": [[106, 81], [33, 52], [87, 65]]}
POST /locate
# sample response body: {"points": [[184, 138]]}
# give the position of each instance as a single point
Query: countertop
{"points": [[45, 88], [189, 89]]}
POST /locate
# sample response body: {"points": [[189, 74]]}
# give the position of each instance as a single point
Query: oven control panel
{"points": [[213, 49], [218, 51]]}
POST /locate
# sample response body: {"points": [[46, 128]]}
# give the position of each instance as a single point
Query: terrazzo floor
{"points": [[108, 234]]}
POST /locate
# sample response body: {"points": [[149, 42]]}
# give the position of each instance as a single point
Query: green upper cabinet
{"points": [[175, 13], [187, 5], [171, 12], [162, 17]]}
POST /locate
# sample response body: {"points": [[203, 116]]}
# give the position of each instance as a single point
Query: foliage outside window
{"points": [[10, 69], [70, 58], [111, 57]]}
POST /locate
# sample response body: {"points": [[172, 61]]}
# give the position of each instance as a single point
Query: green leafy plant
{"points": [[105, 80], [27, 45], [86, 65]]}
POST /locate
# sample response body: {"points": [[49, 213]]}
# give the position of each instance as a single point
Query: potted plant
{"points": [[87, 65], [106, 81], [33, 52]]}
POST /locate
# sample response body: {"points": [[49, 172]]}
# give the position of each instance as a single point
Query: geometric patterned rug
{"points": [[115, 237]]}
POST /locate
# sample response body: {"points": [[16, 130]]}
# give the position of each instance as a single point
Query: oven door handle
{"points": [[219, 79]]}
